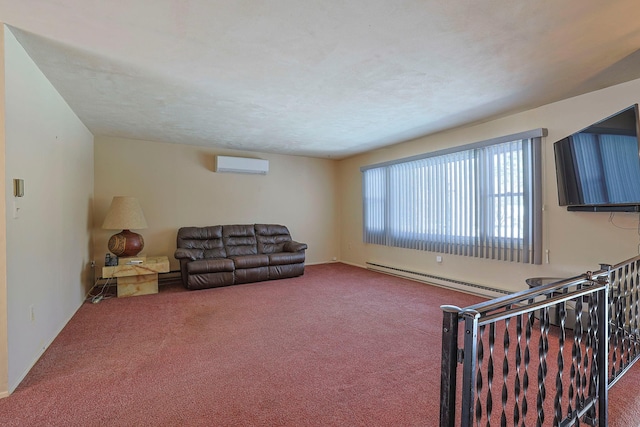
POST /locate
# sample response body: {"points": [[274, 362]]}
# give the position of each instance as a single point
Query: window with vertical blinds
{"points": [[481, 200]]}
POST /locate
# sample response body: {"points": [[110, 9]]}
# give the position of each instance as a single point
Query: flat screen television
{"points": [[598, 168]]}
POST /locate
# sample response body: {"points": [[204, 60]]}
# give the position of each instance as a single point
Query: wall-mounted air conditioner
{"points": [[241, 165]]}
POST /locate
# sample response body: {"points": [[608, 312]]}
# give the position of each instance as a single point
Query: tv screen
{"points": [[598, 168]]}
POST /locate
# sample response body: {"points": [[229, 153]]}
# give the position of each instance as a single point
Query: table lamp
{"points": [[125, 214]]}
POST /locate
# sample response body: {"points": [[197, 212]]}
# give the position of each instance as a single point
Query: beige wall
{"points": [[575, 241], [177, 187], [48, 245]]}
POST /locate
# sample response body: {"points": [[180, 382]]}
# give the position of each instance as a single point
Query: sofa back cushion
{"points": [[208, 240], [271, 238], [239, 240]]}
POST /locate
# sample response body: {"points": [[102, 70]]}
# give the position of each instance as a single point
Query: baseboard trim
{"points": [[354, 264], [443, 282], [322, 262]]}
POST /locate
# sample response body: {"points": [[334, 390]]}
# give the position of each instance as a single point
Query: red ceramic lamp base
{"points": [[126, 244]]}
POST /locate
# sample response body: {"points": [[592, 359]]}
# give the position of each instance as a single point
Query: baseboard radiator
{"points": [[444, 282]]}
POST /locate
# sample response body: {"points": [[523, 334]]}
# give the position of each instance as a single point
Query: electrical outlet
{"points": [[438, 259]]}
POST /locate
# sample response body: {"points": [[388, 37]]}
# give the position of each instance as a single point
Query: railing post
{"points": [[449, 365], [469, 365], [603, 356]]}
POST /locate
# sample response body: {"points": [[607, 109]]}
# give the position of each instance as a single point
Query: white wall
{"points": [[176, 187], [48, 246], [4, 353], [576, 241]]}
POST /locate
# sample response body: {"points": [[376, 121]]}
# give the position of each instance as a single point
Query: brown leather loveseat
{"points": [[223, 255]]}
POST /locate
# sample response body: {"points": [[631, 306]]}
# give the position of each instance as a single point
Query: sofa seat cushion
{"points": [[250, 261], [216, 265], [249, 275], [282, 258], [285, 271], [210, 280]]}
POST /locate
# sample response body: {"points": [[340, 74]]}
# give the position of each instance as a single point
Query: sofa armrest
{"points": [[192, 254], [293, 246]]}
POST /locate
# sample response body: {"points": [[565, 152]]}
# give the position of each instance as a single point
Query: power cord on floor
{"points": [[101, 294]]}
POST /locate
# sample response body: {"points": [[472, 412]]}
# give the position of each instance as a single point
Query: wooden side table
{"points": [[137, 279]]}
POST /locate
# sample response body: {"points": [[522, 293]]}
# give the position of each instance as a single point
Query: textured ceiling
{"points": [[319, 78]]}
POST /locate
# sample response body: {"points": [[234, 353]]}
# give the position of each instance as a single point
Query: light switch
{"points": [[18, 188], [16, 210]]}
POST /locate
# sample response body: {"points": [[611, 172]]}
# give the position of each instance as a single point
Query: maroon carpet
{"points": [[339, 346]]}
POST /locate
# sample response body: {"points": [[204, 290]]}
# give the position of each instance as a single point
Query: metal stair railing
{"points": [[624, 315], [561, 381]]}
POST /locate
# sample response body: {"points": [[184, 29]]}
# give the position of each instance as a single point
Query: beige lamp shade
{"points": [[125, 214]]}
